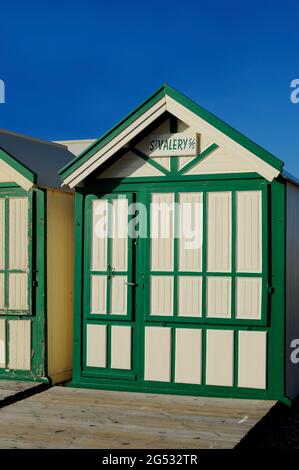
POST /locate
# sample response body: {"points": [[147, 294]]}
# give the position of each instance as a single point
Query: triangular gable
{"points": [[11, 170], [166, 99]]}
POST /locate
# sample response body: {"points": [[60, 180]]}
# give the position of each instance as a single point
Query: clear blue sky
{"points": [[72, 69]]}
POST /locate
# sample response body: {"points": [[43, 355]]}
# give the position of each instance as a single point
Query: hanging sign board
{"points": [[165, 145]]}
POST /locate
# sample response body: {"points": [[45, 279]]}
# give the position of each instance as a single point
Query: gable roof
{"points": [[171, 100], [32, 161]]}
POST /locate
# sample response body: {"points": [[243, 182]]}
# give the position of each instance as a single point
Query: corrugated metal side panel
{"points": [[249, 231], [99, 236], [188, 355], [292, 289], [219, 231], [190, 241], [20, 344], [119, 242], [2, 233], [157, 360], [2, 343], [18, 233], [161, 295], [162, 231], [60, 287]]}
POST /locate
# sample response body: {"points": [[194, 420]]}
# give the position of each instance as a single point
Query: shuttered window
{"points": [[15, 253]]}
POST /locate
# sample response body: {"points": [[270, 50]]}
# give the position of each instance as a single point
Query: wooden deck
{"points": [[77, 418], [14, 390]]}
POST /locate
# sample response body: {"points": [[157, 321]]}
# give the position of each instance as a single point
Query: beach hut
{"points": [[36, 261], [187, 258]]}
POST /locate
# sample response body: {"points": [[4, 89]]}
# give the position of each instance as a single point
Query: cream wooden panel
{"points": [[143, 145], [130, 165], [220, 162], [3, 343], [98, 294], [162, 231], [182, 161], [99, 235], [96, 348], [118, 295], [219, 236], [248, 298], [18, 291], [2, 295], [219, 357], [229, 145], [252, 359], [11, 175], [189, 296], [161, 295], [157, 358], [18, 233], [119, 242], [60, 283], [121, 347], [190, 241], [218, 297], [2, 233], [19, 344], [249, 231], [188, 355]]}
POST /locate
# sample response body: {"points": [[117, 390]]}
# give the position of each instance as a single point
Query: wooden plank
{"points": [[79, 418]]}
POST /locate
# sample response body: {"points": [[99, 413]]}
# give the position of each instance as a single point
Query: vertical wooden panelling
{"points": [[219, 357], [219, 231], [161, 298], [2, 343], [188, 356], [248, 298], [99, 235], [19, 344], [190, 223], [98, 294], [60, 283], [121, 347], [157, 358], [96, 348], [252, 359], [2, 233], [189, 296], [18, 291], [118, 295], [218, 297], [249, 231], [2, 292], [18, 233], [162, 231], [119, 242]]}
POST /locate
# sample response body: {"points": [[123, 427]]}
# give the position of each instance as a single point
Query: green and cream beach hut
{"points": [[165, 314], [36, 261]]}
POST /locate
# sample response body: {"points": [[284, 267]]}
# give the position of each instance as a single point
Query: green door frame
{"points": [[275, 327]]}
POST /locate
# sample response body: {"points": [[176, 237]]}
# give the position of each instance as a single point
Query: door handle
{"points": [[130, 283]]}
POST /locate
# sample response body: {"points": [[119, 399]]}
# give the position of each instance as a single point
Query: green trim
{"points": [[197, 159], [113, 132], [244, 141], [149, 160], [18, 166]]}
